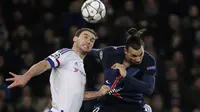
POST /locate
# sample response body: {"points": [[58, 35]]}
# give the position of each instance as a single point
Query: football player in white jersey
{"points": [[68, 76]]}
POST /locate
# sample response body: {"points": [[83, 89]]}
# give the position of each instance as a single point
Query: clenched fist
{"points": [[104, 89], [121, 69]]}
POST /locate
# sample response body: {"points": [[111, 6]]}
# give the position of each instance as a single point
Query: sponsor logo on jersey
{"points": [[56, 55], [151, 68]]}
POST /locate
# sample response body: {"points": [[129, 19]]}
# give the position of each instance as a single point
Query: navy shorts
{"points": [[113, 104]]}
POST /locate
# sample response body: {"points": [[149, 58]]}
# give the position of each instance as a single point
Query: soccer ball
{"points": [[93, 11]]}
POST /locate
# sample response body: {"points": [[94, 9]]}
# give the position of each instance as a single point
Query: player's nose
{"points": [[88, 42], [138, 59]]}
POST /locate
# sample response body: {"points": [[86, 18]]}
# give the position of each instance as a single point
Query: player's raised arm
{"points": [[147, 83], [54, 60], [36, 69]]}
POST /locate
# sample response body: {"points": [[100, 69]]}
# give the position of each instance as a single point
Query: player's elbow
{"points": [[149, 91]]}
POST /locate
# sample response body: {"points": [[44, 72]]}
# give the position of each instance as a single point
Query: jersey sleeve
{"points": [[59, 57], [150, 67], [97, 53]]}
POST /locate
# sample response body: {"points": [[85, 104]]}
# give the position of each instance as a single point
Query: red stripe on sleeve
{"points": [[58, 62]]}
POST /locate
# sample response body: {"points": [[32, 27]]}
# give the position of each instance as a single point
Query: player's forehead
{"points": [[136, 52], [88, 33]]}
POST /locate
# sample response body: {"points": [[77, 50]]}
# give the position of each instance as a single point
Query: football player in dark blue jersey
{"points": [[130, 73]]}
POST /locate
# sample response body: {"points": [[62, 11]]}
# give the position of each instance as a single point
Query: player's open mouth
{"points": [[87, 47]]}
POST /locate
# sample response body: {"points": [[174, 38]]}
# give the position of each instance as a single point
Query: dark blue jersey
{"points": [[140, 78]]}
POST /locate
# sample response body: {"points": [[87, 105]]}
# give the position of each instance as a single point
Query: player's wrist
{"points": [[124, 74], [100, 93], [27, 77]]}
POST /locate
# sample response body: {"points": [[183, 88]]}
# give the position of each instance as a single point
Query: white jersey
{"points": [[67, 80]]}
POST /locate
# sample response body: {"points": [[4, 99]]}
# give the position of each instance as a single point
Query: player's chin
{"points": [[86, 50], [136, 62]]}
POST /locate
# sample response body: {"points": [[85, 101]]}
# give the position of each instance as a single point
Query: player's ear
{"points": [[125, 50], [75, 38]]}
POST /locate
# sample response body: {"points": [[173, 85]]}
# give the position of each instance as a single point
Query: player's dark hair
{"points": [[78, 32], [134, 39]]}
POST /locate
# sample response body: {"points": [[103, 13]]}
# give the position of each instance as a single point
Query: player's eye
{"points": [[134, 55], [92, 40], [85, 37]]}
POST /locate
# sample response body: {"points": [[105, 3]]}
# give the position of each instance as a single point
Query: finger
{"points": [[14, 84], [11, 85], [117, 67], [10, 79], [118, 64], [113, 66], [12, 74], [105, 86], [121, 65], [108, 88]]}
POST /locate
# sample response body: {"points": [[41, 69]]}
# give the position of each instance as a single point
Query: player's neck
{"points": [[126, 63], [78, 52]]}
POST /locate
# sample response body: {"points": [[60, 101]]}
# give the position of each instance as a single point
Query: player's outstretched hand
{"points": [[104, 89], [18, 80], [121, 69]]}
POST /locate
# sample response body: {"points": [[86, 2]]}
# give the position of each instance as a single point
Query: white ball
{"points": [[93, 11]]}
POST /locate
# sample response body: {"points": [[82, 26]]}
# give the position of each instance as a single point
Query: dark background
{"points": [[30, 30]]}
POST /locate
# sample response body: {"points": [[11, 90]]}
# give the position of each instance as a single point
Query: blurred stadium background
{"points": [[30, 30]]}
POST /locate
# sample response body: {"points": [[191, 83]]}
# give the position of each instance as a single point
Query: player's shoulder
{"points": [[149, 59], [116, 47], [65, 51], [113, 49], [62, 52]]}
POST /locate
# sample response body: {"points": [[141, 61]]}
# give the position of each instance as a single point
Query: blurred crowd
{"points": [[30, 30]]}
